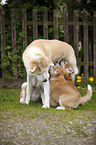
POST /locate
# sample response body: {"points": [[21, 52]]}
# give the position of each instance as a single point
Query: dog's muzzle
{"points": [[45, 80]]}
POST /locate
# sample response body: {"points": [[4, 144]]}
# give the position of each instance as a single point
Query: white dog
{"points": [[39, 56]]}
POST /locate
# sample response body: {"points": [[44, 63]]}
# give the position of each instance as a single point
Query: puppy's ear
{"points": [[56, 72]]}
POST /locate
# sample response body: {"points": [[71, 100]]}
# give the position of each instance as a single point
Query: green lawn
{"points": [[50, 125]]}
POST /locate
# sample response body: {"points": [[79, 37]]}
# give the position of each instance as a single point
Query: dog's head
{"points": [[58, 71], [39, 63], [66, 66]]}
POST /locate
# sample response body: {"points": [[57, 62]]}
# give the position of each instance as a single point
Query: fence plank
{"points": [[76, 32], [45, 24], [24, 30], [94, 41], [66, 38], [86, 45], [55, 15], [35, 30], [13, 32], [24, 27], [3, 52]]}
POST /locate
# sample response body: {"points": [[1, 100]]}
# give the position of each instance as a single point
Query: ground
{"points": [[31, 125]]}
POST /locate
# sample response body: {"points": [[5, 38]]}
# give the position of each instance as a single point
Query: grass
{"points": [[80, 122]]}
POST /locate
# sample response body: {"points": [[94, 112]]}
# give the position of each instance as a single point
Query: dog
{"points": [[38, 57], [64, 92], [38, 91], [67, 67]]}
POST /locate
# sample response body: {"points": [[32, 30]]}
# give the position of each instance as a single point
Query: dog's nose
{"points": [[45, 80]]}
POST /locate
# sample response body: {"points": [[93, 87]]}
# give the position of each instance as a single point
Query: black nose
{"points": [[45, 80]]}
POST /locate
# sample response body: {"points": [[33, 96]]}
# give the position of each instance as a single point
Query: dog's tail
{"points": [[88, 96]]}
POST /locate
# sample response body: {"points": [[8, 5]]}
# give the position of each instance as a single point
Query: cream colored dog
{"points": [[64, 92], [38, 57]]}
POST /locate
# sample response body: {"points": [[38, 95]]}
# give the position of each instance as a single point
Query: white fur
{"points": [[89, 88], [41, 77], [46, 48], [60, 108]]}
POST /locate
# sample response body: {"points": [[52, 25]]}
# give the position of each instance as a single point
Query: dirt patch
{"points": [[42, 130]]}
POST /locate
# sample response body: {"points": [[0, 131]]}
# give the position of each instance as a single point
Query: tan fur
{"points": [[67, 67], [41, 53], [63, 90]]}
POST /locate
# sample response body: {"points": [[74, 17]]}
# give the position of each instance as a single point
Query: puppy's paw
{"points": [[45, 106], [22, 100], [60, 108]]}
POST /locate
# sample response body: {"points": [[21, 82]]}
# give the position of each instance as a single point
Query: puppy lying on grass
{"points": [[64, 92]]}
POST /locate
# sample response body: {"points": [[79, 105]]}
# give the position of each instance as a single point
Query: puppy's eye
{"points": [[69, 70]]}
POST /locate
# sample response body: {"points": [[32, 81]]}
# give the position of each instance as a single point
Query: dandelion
{"points": [[91, 79], [78, 87], [79, 77], [82, 74], [78, 81]]}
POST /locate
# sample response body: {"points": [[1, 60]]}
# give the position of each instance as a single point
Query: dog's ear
{"points": [[32, 67], [44, 62]]}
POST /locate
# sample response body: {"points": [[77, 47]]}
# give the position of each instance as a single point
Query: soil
{"points": [[42, 129]]}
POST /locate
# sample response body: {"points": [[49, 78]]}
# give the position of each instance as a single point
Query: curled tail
{"points": [[88, 96]]}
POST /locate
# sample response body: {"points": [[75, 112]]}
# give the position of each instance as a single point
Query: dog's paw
{"points": [[45, 106], [60, 108], [27, 101], [22, 100]]}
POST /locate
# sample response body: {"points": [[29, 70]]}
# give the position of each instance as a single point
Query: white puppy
{"points": [[39, 56]]}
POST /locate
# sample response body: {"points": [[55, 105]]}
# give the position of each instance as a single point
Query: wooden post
{"points": [[66, 38], [24, 27], [45, 24], [35, 30], [76, 32], [86, 45], [13, 32], [3, 52], [55, 15], [94, 41]]}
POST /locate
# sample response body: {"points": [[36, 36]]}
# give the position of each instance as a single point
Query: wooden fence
{"points": [[45, 23]]}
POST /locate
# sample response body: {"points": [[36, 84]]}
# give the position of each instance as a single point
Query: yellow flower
{"points": [[79, 77], [82, 74], [78, 81], [78, 87], [91, 79]]}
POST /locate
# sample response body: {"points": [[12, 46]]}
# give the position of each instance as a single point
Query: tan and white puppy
{"points": [[64, 92], [67, 67], [39, 56]]}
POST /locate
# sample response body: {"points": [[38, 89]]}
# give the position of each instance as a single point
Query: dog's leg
{"points": [[46, 94], [60, 108], [29, 88], [23, 87], [43, 98], [46, 90]]}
